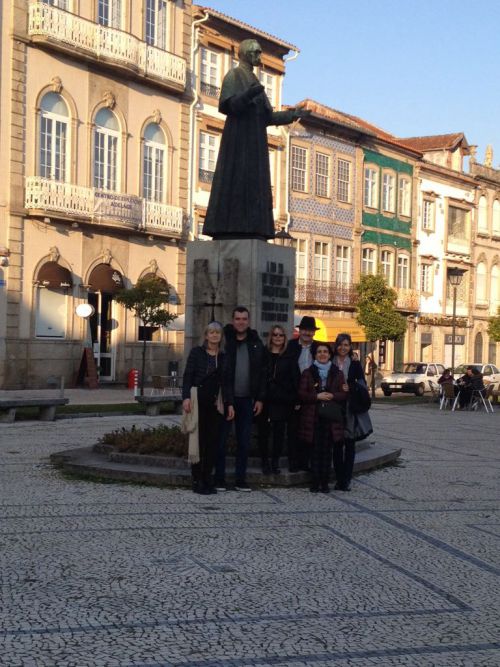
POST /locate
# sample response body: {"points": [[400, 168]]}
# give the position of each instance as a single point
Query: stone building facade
{"points": [[94, 131]]}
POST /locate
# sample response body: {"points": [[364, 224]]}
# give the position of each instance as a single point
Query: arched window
{"points": [[495, 289], [106, 150], [496, 217], [481, 283], [482, 215], [54, 124], [154, 161], [478, 348], [387, 265]]}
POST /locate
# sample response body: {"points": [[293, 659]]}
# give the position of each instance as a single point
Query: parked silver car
{"points": [[412, 379], [490, 372]]}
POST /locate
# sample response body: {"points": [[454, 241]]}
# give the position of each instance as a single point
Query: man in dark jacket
{"points": [[302, 349], [244, 388]]}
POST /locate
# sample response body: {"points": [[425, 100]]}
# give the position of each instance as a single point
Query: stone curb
{"points": [[97, 464]]}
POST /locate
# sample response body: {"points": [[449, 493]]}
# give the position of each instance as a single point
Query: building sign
{"points": [[459, 339], [443, 320], [426, 339], [114, 206]]}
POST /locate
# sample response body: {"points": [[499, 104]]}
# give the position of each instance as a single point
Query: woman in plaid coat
{"points": [[321, 382]]}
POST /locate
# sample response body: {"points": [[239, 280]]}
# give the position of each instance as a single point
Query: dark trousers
{"points": [[243, 417], [266, 428], [210, 422], [321, 454], [343, 461], [465, 396], [298, 451]]}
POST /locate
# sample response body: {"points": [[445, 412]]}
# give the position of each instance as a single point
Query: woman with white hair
{"points": [[204, 371]]}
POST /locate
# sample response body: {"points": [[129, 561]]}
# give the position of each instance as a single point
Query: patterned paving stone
{"points": [[404, 570]]}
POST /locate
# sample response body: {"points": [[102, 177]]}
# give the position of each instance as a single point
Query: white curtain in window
{"points": [[54, 125], [106, 150], [50, 314]]}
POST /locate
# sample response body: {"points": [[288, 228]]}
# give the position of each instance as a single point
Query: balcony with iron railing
{"points": [[205, 176], [319, 294], [408, 300], [70, 33], [209, 89], [76, 203]]}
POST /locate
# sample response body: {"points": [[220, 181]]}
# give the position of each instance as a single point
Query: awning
{"points": [[54, 276], [103, 278], [330, 327]]}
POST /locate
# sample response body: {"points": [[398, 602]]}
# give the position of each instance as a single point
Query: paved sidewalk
{"points": [[404, 570]]}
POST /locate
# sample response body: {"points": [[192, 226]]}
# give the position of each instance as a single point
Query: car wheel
{"points": [[387, 392], [420, 390]]}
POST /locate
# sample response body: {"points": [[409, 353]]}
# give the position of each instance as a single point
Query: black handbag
{"points": [[330, 411], [359, 398]]}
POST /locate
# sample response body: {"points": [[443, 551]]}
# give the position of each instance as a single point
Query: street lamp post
{"points": [[454, 278], [283, 238]]}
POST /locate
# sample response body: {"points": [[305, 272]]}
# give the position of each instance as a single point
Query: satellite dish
{"points": [[85, 310]]}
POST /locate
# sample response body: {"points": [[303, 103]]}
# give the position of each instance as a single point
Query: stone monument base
{"points": [[223, 274]]}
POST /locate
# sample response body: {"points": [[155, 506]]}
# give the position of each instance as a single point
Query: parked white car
{"points": [[412, 379], [490, 372]]}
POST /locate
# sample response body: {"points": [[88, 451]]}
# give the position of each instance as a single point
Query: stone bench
{"points": [[153, 404], [46, 407]]}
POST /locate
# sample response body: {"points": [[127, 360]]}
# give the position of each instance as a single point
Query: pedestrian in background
{"points": [[302, 350], [321, 384], [204, 372], [282, 379], [244, 389]]}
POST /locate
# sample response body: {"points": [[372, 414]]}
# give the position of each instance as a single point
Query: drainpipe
{"points": [[194, 48]]}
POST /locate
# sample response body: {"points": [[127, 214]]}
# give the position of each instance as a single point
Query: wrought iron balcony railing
{"points": [[209, 90], [114, 209], [408, 299], [325, 294], [205, 176], [70, 32]]}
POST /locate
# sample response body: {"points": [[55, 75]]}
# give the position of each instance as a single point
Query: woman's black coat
{"points": [[197, 370], [282, 381]]}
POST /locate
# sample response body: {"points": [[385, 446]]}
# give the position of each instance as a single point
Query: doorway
{"points": [[101, 328]]}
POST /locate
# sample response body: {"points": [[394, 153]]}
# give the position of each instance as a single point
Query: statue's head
{"points": [[250, 52]]}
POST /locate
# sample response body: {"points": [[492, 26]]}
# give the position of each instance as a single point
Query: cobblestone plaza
{"points": [[404, 570]]}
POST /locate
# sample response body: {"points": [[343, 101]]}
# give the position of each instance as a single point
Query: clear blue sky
{"points": [[412, 67]]}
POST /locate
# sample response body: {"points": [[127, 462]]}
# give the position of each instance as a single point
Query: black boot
{"points": [[275, 467], [266, 468]]}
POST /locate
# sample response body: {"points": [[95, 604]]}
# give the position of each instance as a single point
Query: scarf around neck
{"points": [[323, 370]]}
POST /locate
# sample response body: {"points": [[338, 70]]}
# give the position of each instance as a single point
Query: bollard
{"points": [[136, 382]]}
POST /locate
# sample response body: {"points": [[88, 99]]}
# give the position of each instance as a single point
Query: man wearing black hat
{"points": [[301, 349]]}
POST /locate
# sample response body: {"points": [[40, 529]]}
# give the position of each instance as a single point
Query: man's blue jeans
{"points": [[243, 417]]}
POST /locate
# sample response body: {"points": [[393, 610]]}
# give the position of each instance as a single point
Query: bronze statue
{"points": [[241, 202]]}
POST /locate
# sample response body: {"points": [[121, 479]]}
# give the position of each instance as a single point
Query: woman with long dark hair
{"points": [[344, 451], [321, 424], [282, 379], [204, 371]]}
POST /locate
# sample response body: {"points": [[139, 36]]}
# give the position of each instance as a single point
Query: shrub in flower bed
{"points": [[161, 440]]}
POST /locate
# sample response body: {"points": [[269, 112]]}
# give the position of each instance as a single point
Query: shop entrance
{"points": [[101, 328]]}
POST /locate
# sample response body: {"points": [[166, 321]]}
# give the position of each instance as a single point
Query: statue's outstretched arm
{"points": [[288, 116]]}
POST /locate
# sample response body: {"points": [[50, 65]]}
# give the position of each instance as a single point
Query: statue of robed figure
{"points": [[241, 201]]}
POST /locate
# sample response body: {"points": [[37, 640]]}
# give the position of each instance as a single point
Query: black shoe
{"points": [[314, 488], [293, 469], [220, 486], [275, 470], [325, 488], [204, 491], [242, 486], [338, 486], [346, 487]]}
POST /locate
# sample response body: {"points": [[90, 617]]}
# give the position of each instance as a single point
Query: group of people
{"points": [[310, 393], [464, 386]]}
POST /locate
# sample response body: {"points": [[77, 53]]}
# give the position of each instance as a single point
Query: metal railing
{"points": [[100, 206], [325, 294], [205, 176], [101, 41]]}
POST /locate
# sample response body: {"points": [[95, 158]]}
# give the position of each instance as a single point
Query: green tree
{"points": [[147, 300], [377, 312], [494, 327]]}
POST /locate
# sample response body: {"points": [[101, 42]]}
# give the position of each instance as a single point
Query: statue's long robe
{"points": [[241, 201]]}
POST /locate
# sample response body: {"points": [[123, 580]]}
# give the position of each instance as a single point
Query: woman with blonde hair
{"points": [[204, 371], [282, 379]]}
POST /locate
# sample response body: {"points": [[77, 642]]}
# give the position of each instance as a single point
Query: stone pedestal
{"points": [[247, 272]]}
